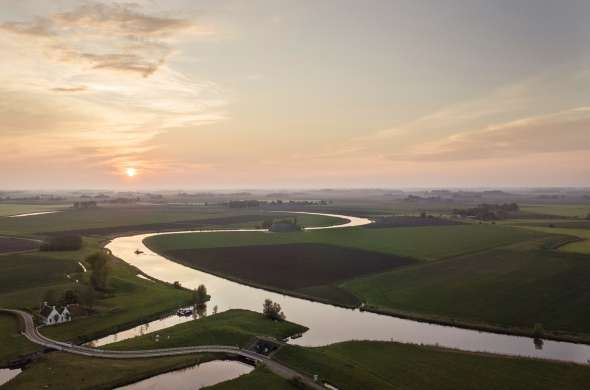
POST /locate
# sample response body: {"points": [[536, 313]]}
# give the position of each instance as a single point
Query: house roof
{"points": [[46, 310]]}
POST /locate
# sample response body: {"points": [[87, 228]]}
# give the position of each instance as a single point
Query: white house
{"points": [[52, 315]]}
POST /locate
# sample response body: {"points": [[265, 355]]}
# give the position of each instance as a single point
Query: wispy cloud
{"points": [[566, 131], [113, 36]]}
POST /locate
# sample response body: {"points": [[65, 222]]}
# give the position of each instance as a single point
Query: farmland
{"points": [[508, 287], [425, 243], [8, 209], [104, 221], [289, 266], [10, 244], [383, 365]]}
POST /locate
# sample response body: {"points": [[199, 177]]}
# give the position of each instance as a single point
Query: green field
{"points": [[233, 327], [25, 278], [64, 371], [260, 378], [146, 218], [7, 209], [582, 246], [509, 287], [563, 210], [427, 243], [12, 342], [382, 365]]}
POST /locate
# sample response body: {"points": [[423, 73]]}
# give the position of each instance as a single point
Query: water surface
{"points": [[196, 377], [329, 324]]}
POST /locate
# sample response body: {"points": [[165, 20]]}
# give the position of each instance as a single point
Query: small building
{"points": [[51, 315]]}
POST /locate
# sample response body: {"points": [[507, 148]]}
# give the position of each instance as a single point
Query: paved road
{"points": [[31, 332]]}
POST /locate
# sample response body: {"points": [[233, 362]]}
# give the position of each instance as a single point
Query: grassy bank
{"points": [[233, 327], [12, 342], [64, 371], [381, 365], [260, 378]]}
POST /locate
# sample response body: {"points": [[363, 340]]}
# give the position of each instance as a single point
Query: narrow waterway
{"points": [[196, 377], [6, 374], [33, 214], [329, 324]]}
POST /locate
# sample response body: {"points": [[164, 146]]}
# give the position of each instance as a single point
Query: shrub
{"points": [[70, 242]]}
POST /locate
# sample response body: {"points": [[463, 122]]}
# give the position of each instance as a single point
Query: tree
{"points": [[70, 297], [87, 297], [51, 296], [538, 331], [99, 264], [200, 295], [272, 310]]}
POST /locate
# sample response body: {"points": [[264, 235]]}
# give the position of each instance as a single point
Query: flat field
{"points": [[563, 210], [104, 221], [582, 246], [260, 378], [509, 287], [426, 243], [289, 266], [10, 244], [12, 342], [232, 327], [382, 365], [7, 209]]}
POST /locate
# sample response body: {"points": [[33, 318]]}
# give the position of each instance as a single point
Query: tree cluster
{"points": [[272, 310], [200, 296], [240, 204], [489, 212], [69, 242], [85, 204], [100, 270]]}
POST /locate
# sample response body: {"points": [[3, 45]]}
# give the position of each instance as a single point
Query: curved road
{"points": [[31, 332]]}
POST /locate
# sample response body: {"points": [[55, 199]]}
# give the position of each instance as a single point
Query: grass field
{"points": [[12, 342], [64, 371], [427, 243], [24, 279], [233, 327], [563, 210], [260, 378], [7, 209], [10, 244], [381, 365], [582, 246], [510, 287], [117, 220]]}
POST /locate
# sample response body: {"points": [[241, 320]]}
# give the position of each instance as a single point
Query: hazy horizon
{"points": [[227, 95]]}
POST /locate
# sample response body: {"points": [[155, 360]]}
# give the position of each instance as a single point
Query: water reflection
{"points": [[329, 324], [196, 377], [6, 374]]}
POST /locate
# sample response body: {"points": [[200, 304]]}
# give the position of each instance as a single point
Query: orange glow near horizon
{"points": [[131, 172]]}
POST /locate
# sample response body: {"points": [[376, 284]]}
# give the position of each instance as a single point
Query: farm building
{"points": [[51, 315]]}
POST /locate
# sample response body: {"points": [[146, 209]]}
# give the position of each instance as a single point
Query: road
{"points": [[31, 332]]}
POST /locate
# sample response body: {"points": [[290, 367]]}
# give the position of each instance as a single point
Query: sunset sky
{"points": [[284, 94]]}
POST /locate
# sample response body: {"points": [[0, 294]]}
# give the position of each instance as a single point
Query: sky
{"points": [[290, 94]]}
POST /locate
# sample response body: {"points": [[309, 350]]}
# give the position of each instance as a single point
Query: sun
{"points": [[131, 172]]}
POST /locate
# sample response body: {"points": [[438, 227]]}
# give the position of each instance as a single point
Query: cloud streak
{"points": [[562, 132], [115, 37]]}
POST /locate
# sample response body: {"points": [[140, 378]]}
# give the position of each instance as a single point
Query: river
{"points": [[327, 324]]}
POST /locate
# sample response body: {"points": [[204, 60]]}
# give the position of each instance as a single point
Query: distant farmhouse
{"points": [[51, 315]]}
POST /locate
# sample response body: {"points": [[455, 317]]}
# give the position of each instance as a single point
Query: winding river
{"points": [[327, 324]]}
